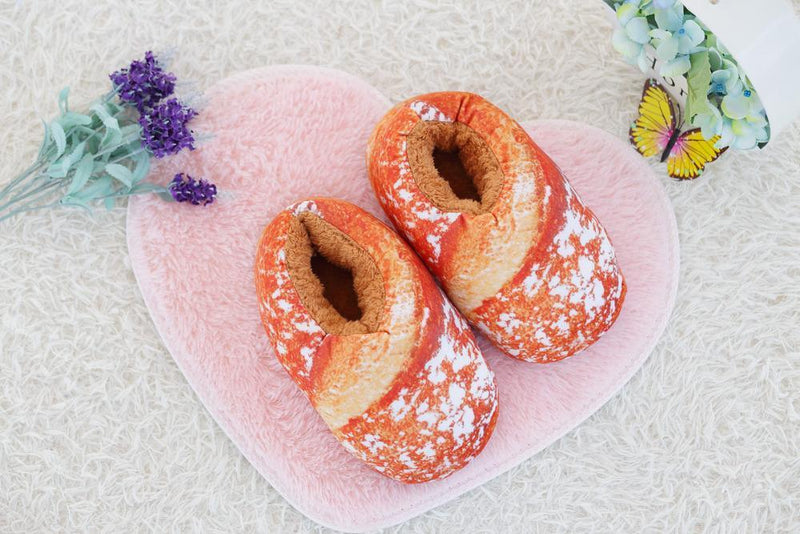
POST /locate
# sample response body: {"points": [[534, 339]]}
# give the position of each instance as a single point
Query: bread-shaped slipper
{"points": [[362, 328], [495, 221]]}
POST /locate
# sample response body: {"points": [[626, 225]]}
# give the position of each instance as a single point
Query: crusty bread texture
{"points": [[516, 250], [360, 325]]}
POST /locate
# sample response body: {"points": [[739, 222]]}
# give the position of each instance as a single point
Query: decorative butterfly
{"points": [[657, 131]]}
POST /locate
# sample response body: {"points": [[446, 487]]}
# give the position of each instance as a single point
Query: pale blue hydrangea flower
{"points": [[632, 34], [675, 40], [664, 4], [725, 80], [742, 104], [740, 121], [742, 134], [710, 121]]}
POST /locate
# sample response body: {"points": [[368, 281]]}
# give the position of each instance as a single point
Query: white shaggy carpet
{"points": [[99, 431]]}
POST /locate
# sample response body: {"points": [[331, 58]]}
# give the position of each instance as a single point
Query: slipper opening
{"points": [[338, 282], [454, 166]]}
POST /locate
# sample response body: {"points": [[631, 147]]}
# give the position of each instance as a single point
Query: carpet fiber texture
{"points": [[99, 430]]}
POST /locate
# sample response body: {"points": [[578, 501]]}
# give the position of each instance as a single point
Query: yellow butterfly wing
{"points": [[691, 153], [656, 124]]}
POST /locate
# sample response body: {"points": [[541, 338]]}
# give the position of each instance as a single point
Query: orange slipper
{"points": [[496, 222], [361, 327]]}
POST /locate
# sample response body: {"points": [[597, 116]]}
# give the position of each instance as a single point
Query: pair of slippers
{"points": [[356, 319], [284, 133]]}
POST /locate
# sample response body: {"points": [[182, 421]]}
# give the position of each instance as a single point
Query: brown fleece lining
{"points": [[454, 167], [338, 281]]}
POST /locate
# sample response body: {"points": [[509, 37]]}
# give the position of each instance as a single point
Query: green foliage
{"points": [[82, 173], [59, 137], [698, 78], [84, 157], [121, 173]]}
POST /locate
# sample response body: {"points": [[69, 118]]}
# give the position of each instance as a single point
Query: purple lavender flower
{"points": [[144, 83], [184, 188], [165, 130]]}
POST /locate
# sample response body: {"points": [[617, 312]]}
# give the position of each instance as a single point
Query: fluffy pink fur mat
{"points": [[283, 133]]}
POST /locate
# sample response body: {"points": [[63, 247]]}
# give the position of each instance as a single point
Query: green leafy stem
{"points": [[84, 157]]}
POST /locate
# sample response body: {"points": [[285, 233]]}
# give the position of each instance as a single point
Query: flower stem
{"points": [[111, 149], [24, 188], [109, 96], [27, 209], [21, 177], [35, 193], [128, 155]]}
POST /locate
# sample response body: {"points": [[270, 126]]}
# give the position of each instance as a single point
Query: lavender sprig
{"points": [[165, 128], [144, 83], [104, 153], [184, 188]]}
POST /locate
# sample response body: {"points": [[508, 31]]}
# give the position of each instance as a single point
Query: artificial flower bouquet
{"points": [[665, 39], [103, 153]]}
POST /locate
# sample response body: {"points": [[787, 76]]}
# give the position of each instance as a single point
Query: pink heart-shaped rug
{"points": [[283, 133]]}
